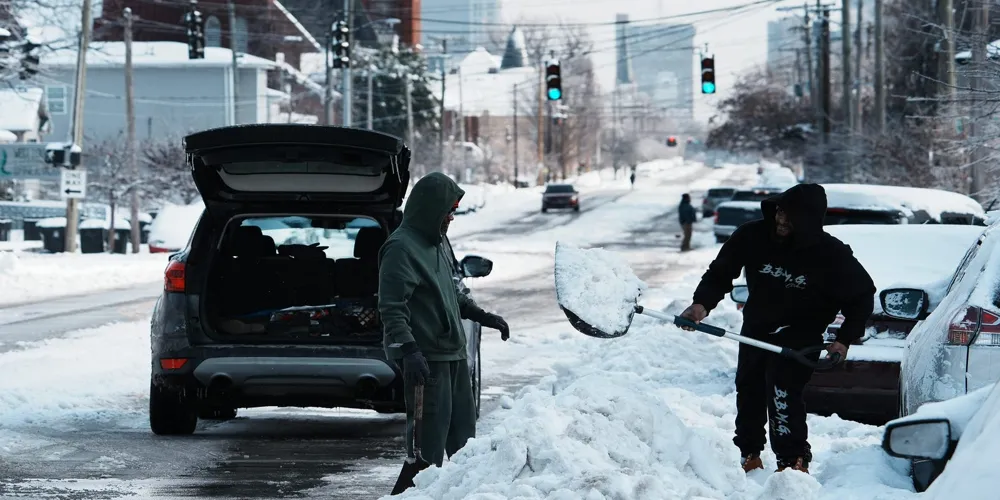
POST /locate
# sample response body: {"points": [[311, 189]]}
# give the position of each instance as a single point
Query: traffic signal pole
{"points": [[76, 130]]}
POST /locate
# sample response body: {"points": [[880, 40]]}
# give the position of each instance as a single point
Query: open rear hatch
{"points": [[294, 165]]}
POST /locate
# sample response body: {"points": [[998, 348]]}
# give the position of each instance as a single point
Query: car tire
{"points": [[222, 414], [170, 413], [544, 210], [576, 208]]}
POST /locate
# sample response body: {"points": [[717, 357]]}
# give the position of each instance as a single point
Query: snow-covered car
{"points": [[474, 199], [956, 348], [743, 206], [865, 387], [951, 445], [921, 205], [172, 227], [272, 303]]}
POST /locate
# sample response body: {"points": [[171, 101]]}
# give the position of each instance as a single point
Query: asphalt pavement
{"points": [[263, 453]]}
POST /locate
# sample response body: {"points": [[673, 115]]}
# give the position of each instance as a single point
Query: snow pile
{"points": [[650, 415], [909, 256], [39, 276], [173, 225], [109, 385], [597, 286]]}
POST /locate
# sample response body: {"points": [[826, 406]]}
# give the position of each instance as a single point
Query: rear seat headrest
{"points": [[245, 241], [368, 242]]}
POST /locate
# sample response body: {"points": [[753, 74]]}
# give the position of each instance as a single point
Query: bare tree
{"points": [[111, 178], [169, 177]]}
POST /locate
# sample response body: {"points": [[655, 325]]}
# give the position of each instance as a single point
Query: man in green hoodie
{"points": [[422, 311]]}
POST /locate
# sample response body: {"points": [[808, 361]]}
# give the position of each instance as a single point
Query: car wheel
{"points": [[170, 412], [218, 414], [576, 208], [544, 210]]}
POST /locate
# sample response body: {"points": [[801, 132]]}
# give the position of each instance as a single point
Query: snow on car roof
{"points": [[934, 202], [745, 205], [174, 223], [908, 255]]}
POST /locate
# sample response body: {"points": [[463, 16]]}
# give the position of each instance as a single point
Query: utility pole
{"points": [[371, 86], [444, 75], [409, 114], [859, 123], [541, 118], [515, 137], [845, 65], [130, 135], [461, 126], [980, 41], [824, 82], [946, 52], [328, 91], [232, 48], [76, 130], [347, 99], [879, 69]]}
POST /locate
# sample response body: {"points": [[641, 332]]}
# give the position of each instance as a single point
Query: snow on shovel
{"points": [[599, 294]]}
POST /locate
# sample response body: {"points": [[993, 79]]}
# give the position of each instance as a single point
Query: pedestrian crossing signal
{"points": [[708, 75]]}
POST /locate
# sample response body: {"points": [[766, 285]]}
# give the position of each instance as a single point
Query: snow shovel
{"points": [[413, 465], [599, 294]]}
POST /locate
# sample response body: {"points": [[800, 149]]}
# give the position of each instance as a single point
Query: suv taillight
{"points": [[974, 323], [716, 219], [173, 277]]}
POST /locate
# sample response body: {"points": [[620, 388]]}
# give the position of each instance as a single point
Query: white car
{"points": [[172, 227]]}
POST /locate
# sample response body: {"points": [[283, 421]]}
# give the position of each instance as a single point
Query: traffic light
{"points": [[708, 75], [553, 80], [672, 141], [195, 32], [341, 44], [29, 60]]}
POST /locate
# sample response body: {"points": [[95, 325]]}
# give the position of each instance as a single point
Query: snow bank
{"points": [[597, 286], [30, 277], [650, 415], [108, 385], [173, 225]]}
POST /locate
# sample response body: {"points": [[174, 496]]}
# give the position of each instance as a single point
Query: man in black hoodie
{"points": [[799, 278]]}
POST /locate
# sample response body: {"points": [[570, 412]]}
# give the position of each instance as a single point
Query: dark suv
{"points": [[560, 196], [274, 300]]}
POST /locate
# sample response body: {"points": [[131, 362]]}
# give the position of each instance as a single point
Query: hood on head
{"points": [[429, 203], [685, 198], [805, 205]]}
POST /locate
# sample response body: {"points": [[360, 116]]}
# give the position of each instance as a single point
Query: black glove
{"points": [[415, 369], [495, 322]]}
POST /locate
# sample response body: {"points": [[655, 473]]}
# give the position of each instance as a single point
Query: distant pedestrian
{"points": [[632, 179], [688, 217]]}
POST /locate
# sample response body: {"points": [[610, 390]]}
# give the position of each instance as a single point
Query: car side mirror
{"points": [[740, 294], [918, 438], [474, 266], [904, 303]]}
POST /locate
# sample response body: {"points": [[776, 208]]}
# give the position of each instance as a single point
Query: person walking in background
{"points": [[632, 179], [687, 215]]}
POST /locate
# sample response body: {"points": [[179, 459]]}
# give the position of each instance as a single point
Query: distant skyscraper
{"points": [[663, 61], [784, 36], [466, 24], [624, 63]]}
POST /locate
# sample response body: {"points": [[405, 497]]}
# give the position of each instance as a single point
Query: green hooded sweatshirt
{"points": [[418, 297]]}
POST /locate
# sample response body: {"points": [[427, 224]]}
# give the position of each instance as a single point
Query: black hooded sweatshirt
{"points": [[797, 285]]}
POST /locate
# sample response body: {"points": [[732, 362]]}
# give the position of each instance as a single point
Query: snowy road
{"points": [[64, 439]]}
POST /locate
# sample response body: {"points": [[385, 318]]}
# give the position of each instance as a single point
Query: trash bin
{"points": [[53, 234], [92, 239], [31, 231], [122, 239], [5, 227], [144, 232]]}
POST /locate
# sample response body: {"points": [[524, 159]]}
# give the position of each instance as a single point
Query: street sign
{"points": [[73, 183], [25, 161]]}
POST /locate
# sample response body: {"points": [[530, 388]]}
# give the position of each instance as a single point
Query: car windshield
{"points": [[559, 188], [336, 234], [752, 195], [720, 192]]}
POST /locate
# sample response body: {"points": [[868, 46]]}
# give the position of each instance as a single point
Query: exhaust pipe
{"points": [[219, 384], [366, 388]]}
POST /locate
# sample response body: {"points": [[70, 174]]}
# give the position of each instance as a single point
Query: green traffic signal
{"points": [[707, 88], [555, 94]]}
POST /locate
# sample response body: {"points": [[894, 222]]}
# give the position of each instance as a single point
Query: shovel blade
{"points": [[596, 289], [406, 475]]}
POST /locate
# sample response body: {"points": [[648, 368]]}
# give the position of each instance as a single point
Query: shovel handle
{"points": [[802, 356], [701, 327], [418, 419]]}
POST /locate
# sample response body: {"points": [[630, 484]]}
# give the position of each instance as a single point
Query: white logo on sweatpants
{"points": [[779, 424]]}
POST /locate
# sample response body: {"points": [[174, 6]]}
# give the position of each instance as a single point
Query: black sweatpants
{"points": [[768, 385]]}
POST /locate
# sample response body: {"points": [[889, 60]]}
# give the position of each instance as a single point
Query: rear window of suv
{"points": [[559, 188], [720, 192], [337, 234]]}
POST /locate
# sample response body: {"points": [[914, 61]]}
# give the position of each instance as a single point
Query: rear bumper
{"points": [[560, 203], [863, 391], [253, 376]]}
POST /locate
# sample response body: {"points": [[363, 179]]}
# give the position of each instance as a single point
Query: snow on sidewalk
{"points": [[649, 415], [27, 276]]}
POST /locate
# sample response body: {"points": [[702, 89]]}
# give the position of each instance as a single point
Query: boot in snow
{"points": [[751, 462], [797, 463]]}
